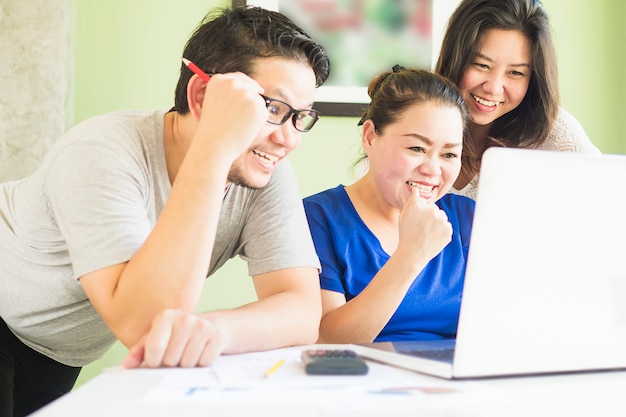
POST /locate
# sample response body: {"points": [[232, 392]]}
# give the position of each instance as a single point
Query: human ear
{"points": [[368, 135], [196, 88]]}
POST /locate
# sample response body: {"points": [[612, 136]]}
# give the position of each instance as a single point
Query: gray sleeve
{"points": [[276, 234], [97, 193]]}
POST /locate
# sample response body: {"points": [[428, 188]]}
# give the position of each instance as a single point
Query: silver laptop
{"points": [[545, 288]]}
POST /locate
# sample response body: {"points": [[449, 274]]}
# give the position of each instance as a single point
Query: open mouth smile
{"points": [[269, 158], [484, 102], [424, 190]]}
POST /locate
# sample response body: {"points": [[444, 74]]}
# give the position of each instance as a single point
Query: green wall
{"points": [[590, 37], [128, 56]]}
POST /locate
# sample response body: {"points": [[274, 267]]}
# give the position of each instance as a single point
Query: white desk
{"points": [[235, 387]]}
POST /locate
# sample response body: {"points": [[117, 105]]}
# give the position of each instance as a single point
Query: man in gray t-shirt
{"points": [[114, 234]]}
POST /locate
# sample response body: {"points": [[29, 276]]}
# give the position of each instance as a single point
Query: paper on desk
{"points": [[249, 371], [236, 378]]}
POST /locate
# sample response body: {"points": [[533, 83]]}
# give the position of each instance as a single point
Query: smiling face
{"points": [[421, 151], [497, 79], [294, 83]]}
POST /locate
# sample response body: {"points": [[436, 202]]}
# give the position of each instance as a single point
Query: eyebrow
{"points": [[430, 142], [486, 58], [280, 93]]}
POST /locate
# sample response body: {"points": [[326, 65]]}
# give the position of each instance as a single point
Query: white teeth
{"points": [[485, 102], [264, 155], [421, 187]]}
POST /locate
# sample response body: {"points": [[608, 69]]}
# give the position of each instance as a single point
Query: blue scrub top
{"points": [[350, 255]]}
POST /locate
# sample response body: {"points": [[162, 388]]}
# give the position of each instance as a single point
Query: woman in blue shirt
{"points": [[393, 245]]}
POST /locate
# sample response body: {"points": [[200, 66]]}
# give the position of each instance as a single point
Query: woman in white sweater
{"points": [[501, 56]]}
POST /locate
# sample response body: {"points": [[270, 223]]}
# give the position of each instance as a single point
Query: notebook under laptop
{"points": [[545, 288]]}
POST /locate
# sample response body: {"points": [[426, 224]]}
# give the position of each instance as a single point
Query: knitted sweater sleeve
{"points": [[568, 135]]}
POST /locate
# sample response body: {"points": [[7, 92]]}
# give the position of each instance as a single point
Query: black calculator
{"points": [[333, 362]]}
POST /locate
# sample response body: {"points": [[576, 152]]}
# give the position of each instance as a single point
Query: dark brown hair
{"points": [[229, 40]]}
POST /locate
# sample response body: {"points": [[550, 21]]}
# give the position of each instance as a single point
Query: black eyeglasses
{"points": [[280, 112]]}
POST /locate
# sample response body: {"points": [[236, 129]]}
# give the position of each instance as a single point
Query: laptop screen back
{"points": [[545, 289]]}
